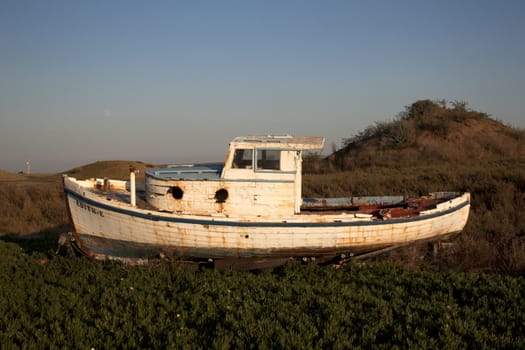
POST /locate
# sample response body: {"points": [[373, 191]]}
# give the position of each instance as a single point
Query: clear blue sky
{"points": [[172, 81]]}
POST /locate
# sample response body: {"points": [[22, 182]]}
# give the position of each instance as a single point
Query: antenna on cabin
{"points": [[28, 167]]}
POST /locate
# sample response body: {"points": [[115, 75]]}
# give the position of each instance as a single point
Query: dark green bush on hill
{"points": [[422, 116]]}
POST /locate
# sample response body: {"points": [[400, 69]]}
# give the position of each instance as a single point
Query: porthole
{"points": [[221, 195], [176, 192]]}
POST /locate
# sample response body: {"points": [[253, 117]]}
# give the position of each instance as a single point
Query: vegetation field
{"points": [[57, 302], [468, 295]]}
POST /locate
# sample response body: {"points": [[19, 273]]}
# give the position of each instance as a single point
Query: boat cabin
{"points": [[260, 177]]}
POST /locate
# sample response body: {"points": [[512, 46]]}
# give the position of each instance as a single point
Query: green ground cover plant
{"points": [[57, 302]]}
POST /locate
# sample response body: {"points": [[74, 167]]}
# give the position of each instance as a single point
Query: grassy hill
{"points": [[115, 169], [428, 132]]}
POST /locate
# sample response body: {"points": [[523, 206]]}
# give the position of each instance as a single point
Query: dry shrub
{"points": [[30, 208], [468, 253]]}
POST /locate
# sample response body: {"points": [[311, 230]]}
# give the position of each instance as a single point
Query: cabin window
{"points": [[268, 159], [242, 158]]}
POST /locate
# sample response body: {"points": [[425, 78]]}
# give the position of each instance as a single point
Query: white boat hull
{"points": [[112, 229]]}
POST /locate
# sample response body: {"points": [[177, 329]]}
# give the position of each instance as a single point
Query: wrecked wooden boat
{"points": [[248, 212]]}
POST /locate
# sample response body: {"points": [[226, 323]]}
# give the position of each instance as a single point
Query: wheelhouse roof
{"points": [[279, 141]]}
